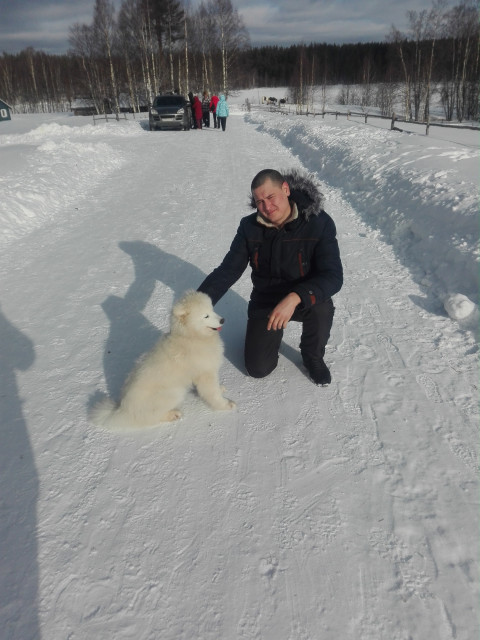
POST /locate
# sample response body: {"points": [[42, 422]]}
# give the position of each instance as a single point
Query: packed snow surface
{"points": [[345, 512]]}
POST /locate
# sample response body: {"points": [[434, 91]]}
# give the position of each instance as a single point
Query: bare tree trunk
{"points": [[179, 83], [104, 27], [187, 81], [311, 88], [398, 39], [231, 34], [324, 92], [461, 93], [149, 67], [81, 39], [300, 88], [131, 90], [435, 20], [114, 83], [32, 75], [170, 56], [224, 69]]}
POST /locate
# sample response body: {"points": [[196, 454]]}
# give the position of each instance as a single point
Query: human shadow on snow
{"points": [[19, 494], [132, 334]]}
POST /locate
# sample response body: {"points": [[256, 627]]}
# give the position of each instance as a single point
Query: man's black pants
{"points": [[262, 346]]}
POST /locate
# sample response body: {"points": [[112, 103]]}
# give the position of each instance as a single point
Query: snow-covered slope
{"points": [[342, 512]]}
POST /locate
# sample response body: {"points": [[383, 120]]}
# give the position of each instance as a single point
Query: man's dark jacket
{"points": [[302, 256]]}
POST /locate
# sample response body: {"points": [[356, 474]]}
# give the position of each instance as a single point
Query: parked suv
{"points": [[170, 111]]}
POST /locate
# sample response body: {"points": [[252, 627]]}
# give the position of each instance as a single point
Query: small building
{"points": [[83, 107], [5, 111]]}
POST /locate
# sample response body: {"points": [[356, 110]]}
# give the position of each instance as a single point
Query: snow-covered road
{"points": [[309, 513]]}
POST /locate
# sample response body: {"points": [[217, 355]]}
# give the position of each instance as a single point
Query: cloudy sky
{"points": [[44, 24]]}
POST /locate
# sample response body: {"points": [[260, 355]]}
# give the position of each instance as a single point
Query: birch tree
{"points": [[82, 43], [463, 32], [232, 36], [205, 29], [104, 29], [129, 33], [425, 28], [399, 42]]}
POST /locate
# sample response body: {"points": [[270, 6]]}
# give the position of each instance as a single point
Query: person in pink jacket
{"points": [[213, 108], [197, 111]]}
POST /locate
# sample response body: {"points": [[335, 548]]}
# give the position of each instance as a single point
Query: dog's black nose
{"points": [[222, 320]]}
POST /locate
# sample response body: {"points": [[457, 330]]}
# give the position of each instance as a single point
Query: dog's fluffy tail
{"points": [[105, 413]]}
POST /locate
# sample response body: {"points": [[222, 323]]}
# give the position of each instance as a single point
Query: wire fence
{"points": [[288, 109], [110, 116]]}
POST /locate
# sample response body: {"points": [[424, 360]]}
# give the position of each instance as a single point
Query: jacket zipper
{"points": [[300, 263]]}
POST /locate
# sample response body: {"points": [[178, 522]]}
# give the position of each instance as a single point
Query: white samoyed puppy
{"points": [[191, 354]]}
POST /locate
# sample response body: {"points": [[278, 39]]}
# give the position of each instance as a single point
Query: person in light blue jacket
{"points": [[222, 111]]}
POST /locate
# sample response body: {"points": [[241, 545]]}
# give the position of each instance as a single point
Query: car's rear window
{"points": [[169, 101]]}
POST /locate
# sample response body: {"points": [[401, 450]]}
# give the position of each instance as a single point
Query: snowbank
{"points": [[51, 168]]}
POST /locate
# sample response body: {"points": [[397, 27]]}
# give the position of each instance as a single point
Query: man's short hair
{"points": [[266, 174]]}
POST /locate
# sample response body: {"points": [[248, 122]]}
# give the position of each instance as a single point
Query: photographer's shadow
{"points": [[19, 494]]}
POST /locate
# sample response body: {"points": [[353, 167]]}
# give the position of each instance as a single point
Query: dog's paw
{"points": [[223, 404], [172, 415]]}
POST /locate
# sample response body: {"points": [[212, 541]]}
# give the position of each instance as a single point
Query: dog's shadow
{"points": [[132, 334]]}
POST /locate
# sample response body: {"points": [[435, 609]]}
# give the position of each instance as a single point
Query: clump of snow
{"points": [[458, 306]]}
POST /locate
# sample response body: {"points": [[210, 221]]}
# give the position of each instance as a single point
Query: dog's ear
{"points": [[182, 307], [180, 310]]}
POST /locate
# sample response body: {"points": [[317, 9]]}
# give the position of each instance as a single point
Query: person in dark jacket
{"points": [[194, 122], [206, 109], [290, 243]]}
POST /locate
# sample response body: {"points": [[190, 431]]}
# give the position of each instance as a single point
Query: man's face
{"points": [[272, 202]]}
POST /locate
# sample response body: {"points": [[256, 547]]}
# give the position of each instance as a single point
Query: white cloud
{"points": [[44, 24]]}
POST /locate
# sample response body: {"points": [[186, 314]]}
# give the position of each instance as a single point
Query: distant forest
{"points": [[274, 66], [123, 59]]}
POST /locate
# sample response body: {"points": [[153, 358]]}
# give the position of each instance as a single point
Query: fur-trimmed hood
{"points": [[303, 191]]}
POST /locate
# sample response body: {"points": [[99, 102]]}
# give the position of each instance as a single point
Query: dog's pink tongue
{"points": [[219, 328]]}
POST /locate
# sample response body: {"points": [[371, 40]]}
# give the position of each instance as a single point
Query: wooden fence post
{"points": [[394, 117]]}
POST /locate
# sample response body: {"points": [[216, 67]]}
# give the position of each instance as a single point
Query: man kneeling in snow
{"points": [[290, 243]]}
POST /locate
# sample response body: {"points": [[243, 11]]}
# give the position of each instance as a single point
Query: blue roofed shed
{"points": [[5, 111]]}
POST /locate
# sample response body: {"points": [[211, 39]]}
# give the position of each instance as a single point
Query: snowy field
{"points": [[341, 513]]}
